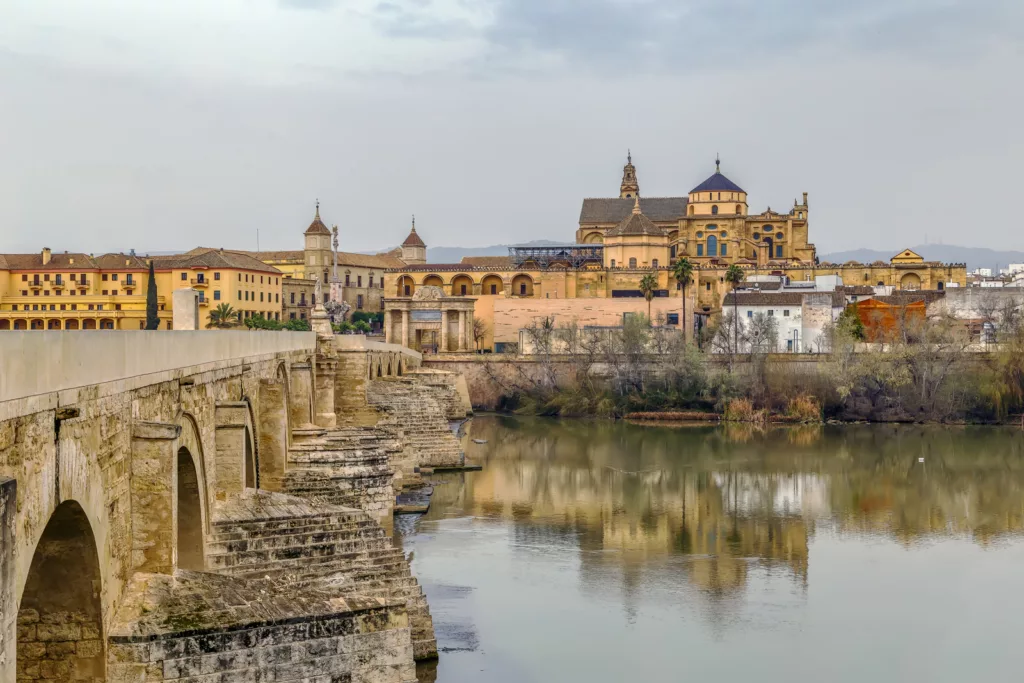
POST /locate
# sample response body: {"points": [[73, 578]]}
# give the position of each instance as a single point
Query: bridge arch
{"points": [[62, 600], [188, 519], [190, 439]]}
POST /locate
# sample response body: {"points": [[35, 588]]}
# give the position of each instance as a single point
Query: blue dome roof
{"points": [[718, 183]]}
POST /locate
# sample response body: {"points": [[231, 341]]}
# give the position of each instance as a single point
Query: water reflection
{"points": [[643, 509]]}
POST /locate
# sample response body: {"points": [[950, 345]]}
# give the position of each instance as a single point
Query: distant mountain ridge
{"points": [[974, 257]]}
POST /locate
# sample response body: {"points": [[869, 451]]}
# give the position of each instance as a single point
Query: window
{"points": [[359, 302], [261, 297], [106, 292], [778, 251], [14, 307], [239, 296], [407, 288], [216, 295], [99, 307], [24, 292], [24, 277], [113, 292], [750, 314], [739, 208], [654, 263], [462, 289], [494, 289], [216, 276], [672, 251], [302, 301], [72, 292], [184, 276], [722, 250], [707, 286], [117, 307], [522, 289], [785, 313], [712, 245], [672, 319], [114, 277], [723, 234], [277, 298], [239, 277], [714, 210], [74, 307], [613, 263], [46, 292], [359, 281], [261, 279], [771, 313], [347, 279], [105, 276], [293, 299], [632, 263], [291, 316], [779, 236], [700, 250]]}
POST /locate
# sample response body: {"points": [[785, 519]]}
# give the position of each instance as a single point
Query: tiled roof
{"points": [[858, 290], [120, 262], [487, 261], [215, 258], [904, 298], [57, 261], [718, 182], [615, 210], [369, 260], [635, 224], [413, 240], [296, 256]]}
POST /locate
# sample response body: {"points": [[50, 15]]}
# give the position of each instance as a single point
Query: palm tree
{"points": [[648, 285], [682, 271], [734, 276], [223, 317]]}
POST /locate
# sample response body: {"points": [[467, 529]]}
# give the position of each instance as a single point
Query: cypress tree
{"points": [[152, 319]]}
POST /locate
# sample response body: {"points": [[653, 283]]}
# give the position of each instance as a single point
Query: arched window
{"points": [[672, 251], [941, 286], [714, 210], [739, 208], [779, 236], [632, 263], [712, 245], [691, 210]]}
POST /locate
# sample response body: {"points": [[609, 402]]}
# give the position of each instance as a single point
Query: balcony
{"points": [[203, 301], [59, 285], [81, 284], [35, 285], [199, 282]]}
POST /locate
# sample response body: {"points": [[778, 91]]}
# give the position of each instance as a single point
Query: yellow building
{"points": [[621, 239], [63, 291]]}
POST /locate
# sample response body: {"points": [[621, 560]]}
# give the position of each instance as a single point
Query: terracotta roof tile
{"points": [[487, 261], [58, 261]]}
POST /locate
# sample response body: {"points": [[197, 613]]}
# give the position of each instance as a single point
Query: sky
{"points": [[163, 126]]}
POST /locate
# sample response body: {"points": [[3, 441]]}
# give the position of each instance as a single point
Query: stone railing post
{"points": [[154, 461], [405, 329]]}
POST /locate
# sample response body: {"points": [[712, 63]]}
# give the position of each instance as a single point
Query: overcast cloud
{"points": [[162, 126]]}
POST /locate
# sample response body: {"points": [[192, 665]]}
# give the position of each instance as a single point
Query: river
{"points": [[607, 552]]}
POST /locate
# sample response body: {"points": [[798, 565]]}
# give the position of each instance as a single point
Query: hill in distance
{"points": [[974, 257]]}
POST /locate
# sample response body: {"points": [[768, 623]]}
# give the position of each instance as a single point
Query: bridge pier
{"points": [[301, 398], [235, 459], [153, 503]]}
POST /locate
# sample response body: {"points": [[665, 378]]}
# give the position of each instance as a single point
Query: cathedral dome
{"points": [[717, 183]]}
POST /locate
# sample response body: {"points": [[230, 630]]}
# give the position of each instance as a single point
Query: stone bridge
{"points": [[208, 506]]}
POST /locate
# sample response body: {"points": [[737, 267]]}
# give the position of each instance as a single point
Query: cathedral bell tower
{"points": [[630, 188]]}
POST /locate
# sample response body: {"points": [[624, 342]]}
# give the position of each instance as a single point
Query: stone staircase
{"points": [[348, 466], [414, 416], [317, 547]]}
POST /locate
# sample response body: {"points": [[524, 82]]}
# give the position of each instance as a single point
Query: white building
{"points": [[800, 317]]}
